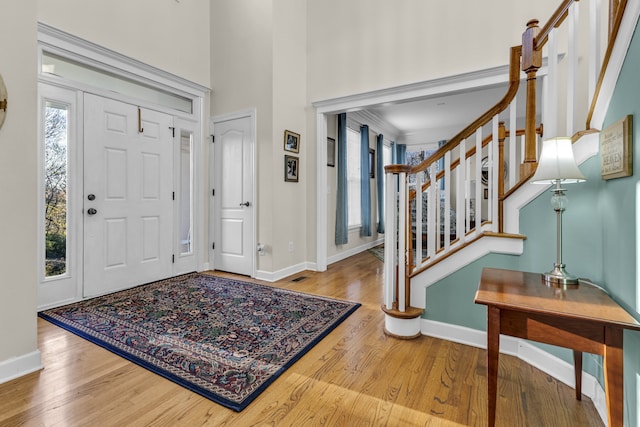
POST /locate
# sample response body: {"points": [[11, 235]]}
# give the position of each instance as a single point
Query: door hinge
{"points": [[173, 131], [173, 195], [213, 138], [213, 192], [213, 246], [173, 258]]}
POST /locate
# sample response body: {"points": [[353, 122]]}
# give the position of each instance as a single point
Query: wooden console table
{"points": [[582, 317]]}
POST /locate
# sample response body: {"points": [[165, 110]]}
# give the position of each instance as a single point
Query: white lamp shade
{"points": [[557, 163]]}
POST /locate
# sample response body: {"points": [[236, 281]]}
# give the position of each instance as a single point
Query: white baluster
{"points": [[513, 141], [438, 209], [478, 196], [447, 200], [494, 160], [462, 207], [469, 197], [594, 47], [418, 218], [402, 244], [572, 67], [551, 116], [431, 212]]}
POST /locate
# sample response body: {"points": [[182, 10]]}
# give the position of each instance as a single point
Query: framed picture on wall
{"points": [[616, 149], [331, 152], [291, 141], [291, 168]]}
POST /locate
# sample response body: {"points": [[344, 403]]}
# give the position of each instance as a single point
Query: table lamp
{"points": [[557, 165]]}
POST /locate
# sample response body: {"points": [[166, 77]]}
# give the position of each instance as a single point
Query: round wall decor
{"points": [[3, 101], [484, 174]]}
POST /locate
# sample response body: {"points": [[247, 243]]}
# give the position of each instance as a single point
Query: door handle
{"points": [[246, 204], [92, 211]]}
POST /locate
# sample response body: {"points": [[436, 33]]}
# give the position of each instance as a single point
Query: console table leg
{"points": [[613, 375], [493, 352], [577, 364]]}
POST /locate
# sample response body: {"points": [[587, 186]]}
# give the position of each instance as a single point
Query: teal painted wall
{"points": [[600, 240], [582, 251], [619, 198]]}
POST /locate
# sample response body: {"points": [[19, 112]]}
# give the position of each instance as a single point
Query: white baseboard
{"points": [[18, 366], [353, 251], [269, 276], [274, 276], [525, 351]]}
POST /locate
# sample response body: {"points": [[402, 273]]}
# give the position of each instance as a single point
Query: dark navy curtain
{"points": [[398, 153], [342, 205], [401, 156], [365, 184], [380, 181]]}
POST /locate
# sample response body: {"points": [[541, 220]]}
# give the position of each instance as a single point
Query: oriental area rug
{"points": [[224, 339]]}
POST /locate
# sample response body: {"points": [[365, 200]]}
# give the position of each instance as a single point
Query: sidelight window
{"points": [[186, 192], [56, 125]]}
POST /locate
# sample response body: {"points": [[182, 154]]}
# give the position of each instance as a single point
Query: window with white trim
{"points": [[353, 177], [56, 124]]}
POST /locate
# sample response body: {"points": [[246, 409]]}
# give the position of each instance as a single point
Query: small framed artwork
{"points": [[291, 168], [291, 141], [616, 149], [331, 152], [372, 163]]}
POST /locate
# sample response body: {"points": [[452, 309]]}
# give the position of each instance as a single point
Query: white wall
{"points": [[290, 200], [258, 59], [170, 35], [18, 142], [357, 46], [242, 78]]}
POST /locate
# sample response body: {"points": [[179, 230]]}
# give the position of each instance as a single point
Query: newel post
{"points": [[401, 319], [531, 62]]}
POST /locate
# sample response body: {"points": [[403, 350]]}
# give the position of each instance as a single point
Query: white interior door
{"points": [[128, 206], [234, 197]]}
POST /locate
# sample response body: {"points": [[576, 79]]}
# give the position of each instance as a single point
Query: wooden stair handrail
{"points": [[615, 21], [514, 83], [469, 153], [555, 21]]}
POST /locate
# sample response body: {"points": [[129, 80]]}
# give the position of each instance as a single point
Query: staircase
{"points": [[463, 201]]}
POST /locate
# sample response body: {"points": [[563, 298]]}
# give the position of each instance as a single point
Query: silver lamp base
{"points": [[559, 277]]}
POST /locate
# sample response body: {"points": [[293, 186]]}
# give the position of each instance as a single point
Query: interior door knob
{"points": [[245, 204], [92, 211]]}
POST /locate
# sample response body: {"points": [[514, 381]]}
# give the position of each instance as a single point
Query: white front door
{"points": [[127, 206], [234, 198]]}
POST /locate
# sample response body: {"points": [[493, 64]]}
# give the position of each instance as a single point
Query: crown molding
{"points": [[86, 52], [375, 123]]}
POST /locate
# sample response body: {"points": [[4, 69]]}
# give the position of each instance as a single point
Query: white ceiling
{"points": [[426, 121]]}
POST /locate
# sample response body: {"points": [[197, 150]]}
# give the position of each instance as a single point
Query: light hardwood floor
{"points": [[356, 376]]}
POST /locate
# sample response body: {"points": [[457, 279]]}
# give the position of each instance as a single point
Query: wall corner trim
{"points": [[16, 367]]}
